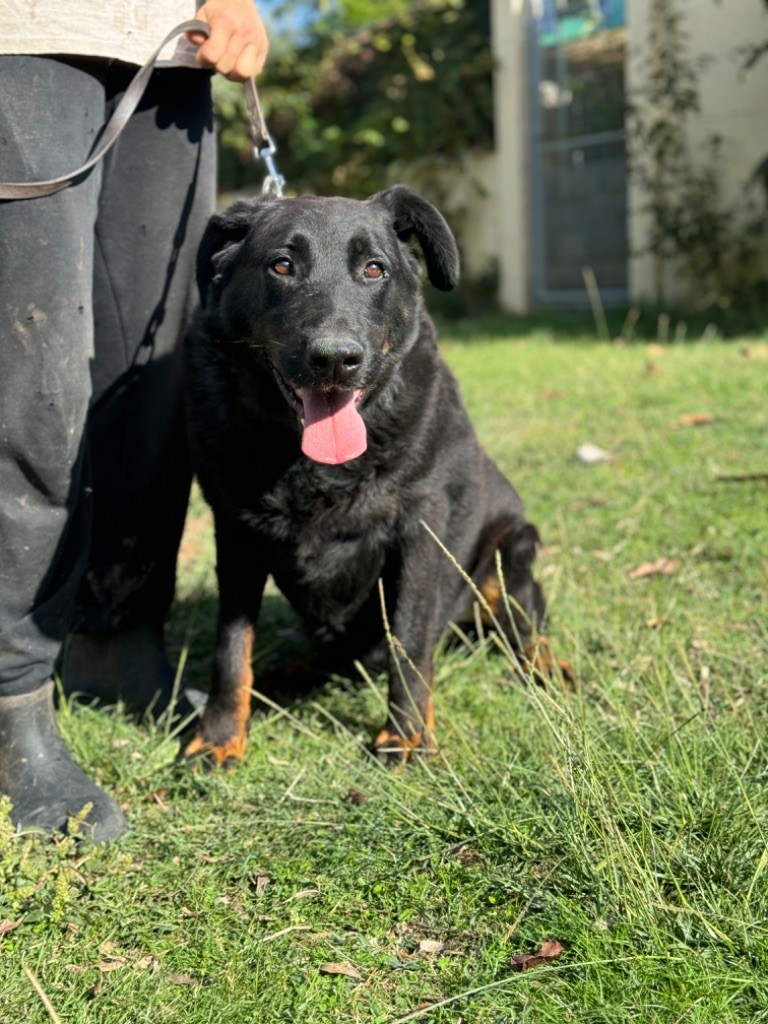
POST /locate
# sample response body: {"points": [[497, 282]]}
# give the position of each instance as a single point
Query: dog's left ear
{"points": [[412, 215]]}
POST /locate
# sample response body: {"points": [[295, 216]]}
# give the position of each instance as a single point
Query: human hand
{"points": [[237, 46]]}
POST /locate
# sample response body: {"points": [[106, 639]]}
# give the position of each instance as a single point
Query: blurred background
{"points": [[610, 151]]}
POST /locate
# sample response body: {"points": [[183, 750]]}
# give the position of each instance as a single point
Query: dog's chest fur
{"points": [[330, 522]]}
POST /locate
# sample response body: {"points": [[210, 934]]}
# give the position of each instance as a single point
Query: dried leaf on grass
{"points": [[9, 926], [111, 960], [657, 622], [758, 351], [590, 454], [302, 894], [344, 968], [158, 797], [661, 567], [547, 952], [147, 963], [695, 419], [431, 946], [608, 556], [105, 966], [181, 979], [468, 855], [286, 931]]}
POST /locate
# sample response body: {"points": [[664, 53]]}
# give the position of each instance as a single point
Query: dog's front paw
{"points": [[393, 749], [541, 663], [222, 753]]}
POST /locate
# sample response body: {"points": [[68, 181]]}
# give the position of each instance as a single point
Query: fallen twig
{"points": [[45, 1000], [740, 478]]}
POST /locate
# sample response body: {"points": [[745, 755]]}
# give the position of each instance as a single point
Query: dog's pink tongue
{"points": [[334, 431]]}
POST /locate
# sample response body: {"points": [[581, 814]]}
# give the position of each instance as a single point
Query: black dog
{"points": [[326, 431]]}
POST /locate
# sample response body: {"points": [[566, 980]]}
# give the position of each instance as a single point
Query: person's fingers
{"points": [[213, 50], [237, 46], [221, 59], [236, 60], [196, 38], [249, 64]]}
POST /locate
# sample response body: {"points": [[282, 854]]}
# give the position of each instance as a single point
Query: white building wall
{"points": [[471, 205], [509, 27], [734, 106]]}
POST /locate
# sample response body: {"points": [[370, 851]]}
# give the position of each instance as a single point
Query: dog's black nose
{"points": [[334, 361]]}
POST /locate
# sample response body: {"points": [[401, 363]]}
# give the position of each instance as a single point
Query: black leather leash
{"points": [[263, 146]]}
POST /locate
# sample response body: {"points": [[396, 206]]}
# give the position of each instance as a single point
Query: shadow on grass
{"points": [[627, 325], [281, 642]]}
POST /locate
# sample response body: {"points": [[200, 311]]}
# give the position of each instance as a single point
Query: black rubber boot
{"points": [[127, 665], [38, 774]]}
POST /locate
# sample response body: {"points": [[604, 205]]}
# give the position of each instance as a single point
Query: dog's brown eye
{"points": [[373, 270], [283, 267]]}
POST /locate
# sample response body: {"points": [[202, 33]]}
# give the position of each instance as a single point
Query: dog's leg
{"points": [[410, 727], [523, 615], [223, 730]]}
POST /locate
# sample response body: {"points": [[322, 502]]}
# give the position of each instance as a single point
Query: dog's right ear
{"points": [[224, 233]]}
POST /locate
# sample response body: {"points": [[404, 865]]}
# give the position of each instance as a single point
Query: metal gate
{"points": [[578, 159]]}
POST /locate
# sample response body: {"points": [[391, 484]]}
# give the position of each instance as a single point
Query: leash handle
{"points": [[264, 148]]}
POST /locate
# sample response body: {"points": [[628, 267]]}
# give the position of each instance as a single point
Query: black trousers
{"points": [[95, 291]]}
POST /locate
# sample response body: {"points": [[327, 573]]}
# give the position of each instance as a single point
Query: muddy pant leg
{"points": [[46, 346], [158, 192], [49, 116]]}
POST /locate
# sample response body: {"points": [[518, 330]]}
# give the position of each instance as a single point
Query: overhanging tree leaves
{"points": [[366, 90]]}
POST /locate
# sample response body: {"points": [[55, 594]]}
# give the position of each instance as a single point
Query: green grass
{"points": [[627, 820]]}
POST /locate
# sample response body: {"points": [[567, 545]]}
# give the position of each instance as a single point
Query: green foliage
{"points": [[366, 90], [37, 885], [720, 248]]}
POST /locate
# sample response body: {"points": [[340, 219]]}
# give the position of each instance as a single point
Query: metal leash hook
{"points": [[264, 147], [274, 181]]}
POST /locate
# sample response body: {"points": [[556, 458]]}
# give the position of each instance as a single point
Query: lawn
{"points": [[626, 820]]}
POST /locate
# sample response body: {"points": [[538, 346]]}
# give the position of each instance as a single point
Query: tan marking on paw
{"points": [[391, 743], [232, 750], [539, 659]]}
